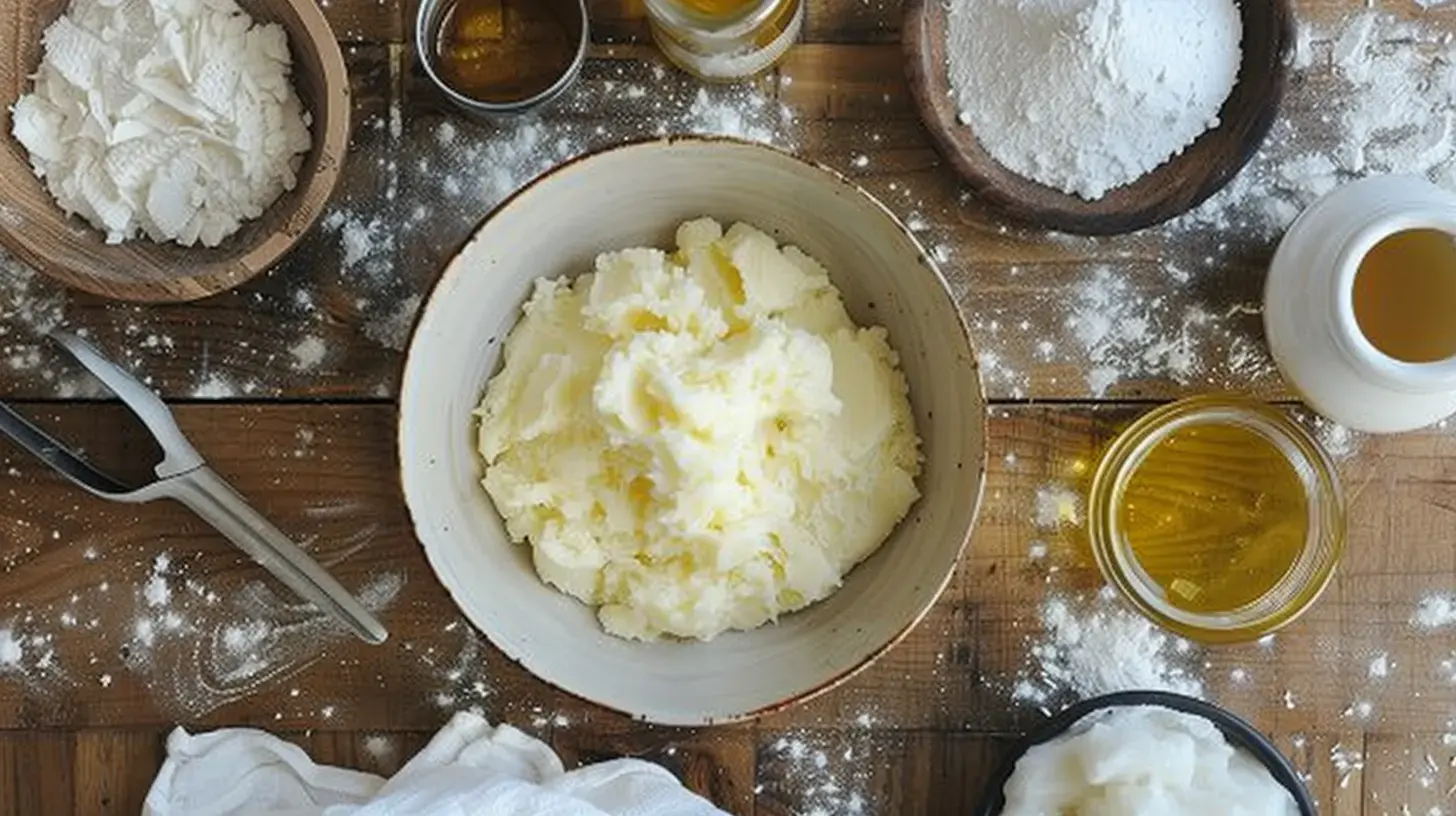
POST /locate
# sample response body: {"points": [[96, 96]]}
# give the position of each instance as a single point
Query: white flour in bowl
{"points": [[1088, 95]]}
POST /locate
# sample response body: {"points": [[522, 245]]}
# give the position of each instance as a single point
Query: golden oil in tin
{"points": [[503, 50]]}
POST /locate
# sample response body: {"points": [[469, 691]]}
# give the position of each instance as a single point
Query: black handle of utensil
{"points": [[45, 447]]}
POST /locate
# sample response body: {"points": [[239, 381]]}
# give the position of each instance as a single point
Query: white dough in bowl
{"points": [[698, 441], [1144, 761]]}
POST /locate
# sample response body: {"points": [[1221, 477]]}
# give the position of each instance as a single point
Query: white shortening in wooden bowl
{"points": [[636, 196]]}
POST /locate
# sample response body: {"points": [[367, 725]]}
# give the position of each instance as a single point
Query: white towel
{"points": [[470, 768]]}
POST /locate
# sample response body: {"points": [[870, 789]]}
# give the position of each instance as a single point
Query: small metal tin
{"points": [[428, 21]]}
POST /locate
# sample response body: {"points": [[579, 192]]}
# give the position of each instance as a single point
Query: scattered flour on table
{"points": [[1056, 505], [215, 386], [30, 306], [392, 329], [1339, 442], [1435, 611], [156, 591], [1088, 95], [1121, 330], [1347, 762], [1096, 646], [11, 651], [1380, 666], [819, 773], [308, 353], [1388, 107]]}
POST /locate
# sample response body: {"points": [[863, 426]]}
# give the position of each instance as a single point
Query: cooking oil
{"points": [[1215, 515], [1405, 296], [717, 8], [725, 40], [1218, 517], [504, 50]]}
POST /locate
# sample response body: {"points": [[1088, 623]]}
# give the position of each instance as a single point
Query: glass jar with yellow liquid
{"points": [[1218, 517], [725, 40]]}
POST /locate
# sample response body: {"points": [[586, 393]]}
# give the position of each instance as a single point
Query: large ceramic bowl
{"points": [[636, 196]]}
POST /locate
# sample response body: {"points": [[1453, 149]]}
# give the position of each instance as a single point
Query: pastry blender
{"points": [[183, 476]]}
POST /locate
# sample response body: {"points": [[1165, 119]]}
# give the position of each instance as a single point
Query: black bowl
{"points": [[1238, 732]]}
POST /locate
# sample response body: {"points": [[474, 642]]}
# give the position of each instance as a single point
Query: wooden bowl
{"points": [[70, 250], [637, 195], [1173, 188]]}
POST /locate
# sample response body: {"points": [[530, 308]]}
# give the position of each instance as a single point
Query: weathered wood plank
{"points": [[36, 773], [775, 773], [80, 576], [113, 770], [326, 324], [827, 21]]}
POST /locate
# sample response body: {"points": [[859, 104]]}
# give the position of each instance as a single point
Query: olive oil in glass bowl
{"points": [[1218, 517]]}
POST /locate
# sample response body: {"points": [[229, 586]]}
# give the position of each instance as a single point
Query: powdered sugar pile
{"points": [[1088, 95], [1097, 646]]}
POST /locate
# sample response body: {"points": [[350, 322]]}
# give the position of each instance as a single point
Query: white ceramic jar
{"points": [[1310, 314]]}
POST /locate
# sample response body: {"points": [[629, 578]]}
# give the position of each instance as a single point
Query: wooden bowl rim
{"points": [[1074, 215], [328, 151]]}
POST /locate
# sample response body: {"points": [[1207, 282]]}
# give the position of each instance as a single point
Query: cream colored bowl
{"points": [[636, 196]]}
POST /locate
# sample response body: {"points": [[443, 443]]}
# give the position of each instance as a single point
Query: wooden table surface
{"points": [[131, 620]]}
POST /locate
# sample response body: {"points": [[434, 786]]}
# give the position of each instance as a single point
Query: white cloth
{"points": [[470, 768]]}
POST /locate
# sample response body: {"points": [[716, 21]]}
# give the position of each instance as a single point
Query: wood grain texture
{"points": [[113, 770], [852, 111], [77, 255], [918, 733], [318, 471]]}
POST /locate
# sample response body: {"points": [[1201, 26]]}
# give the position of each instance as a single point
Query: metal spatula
{"points": [[183, 476]]}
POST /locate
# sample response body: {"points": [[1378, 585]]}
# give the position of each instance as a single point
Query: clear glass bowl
{"points": [[1291, 595]]}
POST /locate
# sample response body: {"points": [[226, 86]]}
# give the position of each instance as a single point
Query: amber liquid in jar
{"points": [[1405, 296], [725, 40], [1215, 515], [716, 8], [503, 50]]}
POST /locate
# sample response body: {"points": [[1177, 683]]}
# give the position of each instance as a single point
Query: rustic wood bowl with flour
{"points": [[68, 248], [1170, 189]]}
